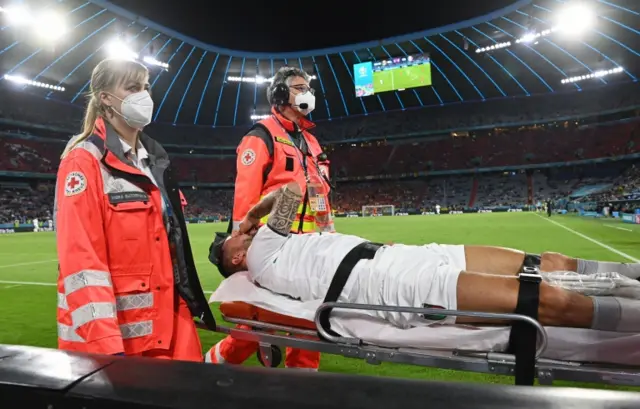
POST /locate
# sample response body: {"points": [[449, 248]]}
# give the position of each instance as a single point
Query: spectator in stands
{"points": [[121, 231]]}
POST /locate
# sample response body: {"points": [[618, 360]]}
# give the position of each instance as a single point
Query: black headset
{"points": [[280, 94], [280, 91]]}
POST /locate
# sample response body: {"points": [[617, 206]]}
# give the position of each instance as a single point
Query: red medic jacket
{"points": [[117, 257], [268, 158]]}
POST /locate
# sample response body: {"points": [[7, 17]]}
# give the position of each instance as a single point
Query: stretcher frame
{"points": [[499, 363]]}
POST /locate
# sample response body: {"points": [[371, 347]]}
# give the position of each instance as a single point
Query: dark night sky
{"points": [[295, 26]]}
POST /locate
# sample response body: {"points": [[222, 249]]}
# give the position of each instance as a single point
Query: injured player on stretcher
{"points": [[452, 277]]}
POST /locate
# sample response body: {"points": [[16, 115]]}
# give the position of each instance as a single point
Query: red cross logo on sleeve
{"points": [[248, 157], [75, 183]]}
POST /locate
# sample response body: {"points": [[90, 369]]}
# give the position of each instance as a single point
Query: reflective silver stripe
{"points": [[134, 301], [62, 302], [86, 278], [123, 302], [136, 329], [91, 312], [66, 333], [132, 330], [219, 358]]}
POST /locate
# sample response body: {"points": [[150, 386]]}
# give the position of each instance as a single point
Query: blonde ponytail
{"points": [[88, 125]]}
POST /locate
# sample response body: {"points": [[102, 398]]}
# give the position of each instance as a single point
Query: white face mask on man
{"points": [[305, 103], [137, 109]]}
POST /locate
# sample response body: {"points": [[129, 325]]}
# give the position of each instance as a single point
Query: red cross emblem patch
{"points": [[75, 183], [248, 157]]}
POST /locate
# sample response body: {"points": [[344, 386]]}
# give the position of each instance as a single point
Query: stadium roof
{"points": [[199, 85]]}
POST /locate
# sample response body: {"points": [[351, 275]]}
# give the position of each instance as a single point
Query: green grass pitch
{"points": [[411, 77], [28, 270]]}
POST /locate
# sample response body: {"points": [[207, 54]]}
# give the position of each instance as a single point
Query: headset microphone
{"points": [[304, 105]]}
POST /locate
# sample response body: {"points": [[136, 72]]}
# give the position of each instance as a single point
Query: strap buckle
{"points": [[530, 275]]}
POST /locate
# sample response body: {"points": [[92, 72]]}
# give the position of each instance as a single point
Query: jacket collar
{"points": [[115, 155], [290, 126]]}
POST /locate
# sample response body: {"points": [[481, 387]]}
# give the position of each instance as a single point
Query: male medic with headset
{"points": [[279, 150]]}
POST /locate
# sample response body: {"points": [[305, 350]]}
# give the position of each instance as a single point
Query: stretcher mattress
{"points": [[567, 344]]}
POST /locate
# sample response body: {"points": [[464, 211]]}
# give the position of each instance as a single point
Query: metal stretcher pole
{"points": [[424, 311]]}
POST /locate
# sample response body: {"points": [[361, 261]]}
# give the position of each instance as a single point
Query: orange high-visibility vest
{"points": [[287, 166]]}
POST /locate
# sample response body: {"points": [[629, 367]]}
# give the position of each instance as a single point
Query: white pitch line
{"points": [[50, 284], [616, 227], [31, 263], [27, 283], [594, 241]]}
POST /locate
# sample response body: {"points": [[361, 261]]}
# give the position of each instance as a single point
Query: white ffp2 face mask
{"points": [[137, 109], [305, 103]]}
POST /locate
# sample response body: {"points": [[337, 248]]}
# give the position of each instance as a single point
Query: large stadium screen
{"points": [[394, 74]]}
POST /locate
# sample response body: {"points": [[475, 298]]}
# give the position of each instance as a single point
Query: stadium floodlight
{"points": [[493, 47], [259, 117], [532, 36], [17, 15], [152, 61], [22, 80], [119, 50], [575, 19], [595, 74], [257, 79], [49, 25]]}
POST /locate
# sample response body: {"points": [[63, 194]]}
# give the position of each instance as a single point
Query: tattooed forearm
{"points": [[265, 206], [285, 209]]}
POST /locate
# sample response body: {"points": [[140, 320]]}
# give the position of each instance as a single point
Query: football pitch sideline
{"points": [[28, 270]]}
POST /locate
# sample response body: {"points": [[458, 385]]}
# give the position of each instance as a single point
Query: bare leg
{"points": [[499, 293], [494, 260], [558, 262], [505, 261]]}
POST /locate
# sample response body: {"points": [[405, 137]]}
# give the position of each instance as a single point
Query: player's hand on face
{"points": [[249, 225]]}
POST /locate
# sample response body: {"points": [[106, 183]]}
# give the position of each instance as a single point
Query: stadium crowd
{"points": [[408, 164], [551, 143]]}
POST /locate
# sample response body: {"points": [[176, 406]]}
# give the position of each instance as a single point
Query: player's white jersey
{"points": [[303, 268]]}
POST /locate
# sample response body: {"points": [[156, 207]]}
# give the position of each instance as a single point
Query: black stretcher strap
{"points": [[523, 336], [362, 251]]}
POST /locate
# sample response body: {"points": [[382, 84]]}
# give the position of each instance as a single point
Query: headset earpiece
{"points": [[280, 94]]}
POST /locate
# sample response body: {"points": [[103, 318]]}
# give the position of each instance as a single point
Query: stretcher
{"points": [[261, 311]]}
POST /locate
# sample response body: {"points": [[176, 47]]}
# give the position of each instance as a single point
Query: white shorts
{"points": [[410, 276]]}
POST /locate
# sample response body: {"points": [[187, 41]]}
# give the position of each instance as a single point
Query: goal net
{"points": [[379, 210]]}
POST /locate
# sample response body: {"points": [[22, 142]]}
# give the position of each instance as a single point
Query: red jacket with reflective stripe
{"points": [[284, 166], [116, 289]]}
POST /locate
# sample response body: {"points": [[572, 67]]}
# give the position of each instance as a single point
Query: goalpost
{"points": [[378, 210]]}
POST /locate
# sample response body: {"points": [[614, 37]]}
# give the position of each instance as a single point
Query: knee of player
{"points": [[554, 305], [557, 262]]}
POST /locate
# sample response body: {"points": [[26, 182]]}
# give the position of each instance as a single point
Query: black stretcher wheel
{"points": [[271, 351]]}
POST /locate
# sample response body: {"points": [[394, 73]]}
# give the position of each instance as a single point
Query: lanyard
{"points": [[299, 152]]}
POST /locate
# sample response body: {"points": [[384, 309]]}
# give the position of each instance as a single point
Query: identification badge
{"points": [[318, 203]]}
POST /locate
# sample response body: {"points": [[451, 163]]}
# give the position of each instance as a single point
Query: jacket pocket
{"points": [[129, 233], [130, 219]]}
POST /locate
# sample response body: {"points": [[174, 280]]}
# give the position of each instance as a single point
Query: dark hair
{"points": [[283, 76]]}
